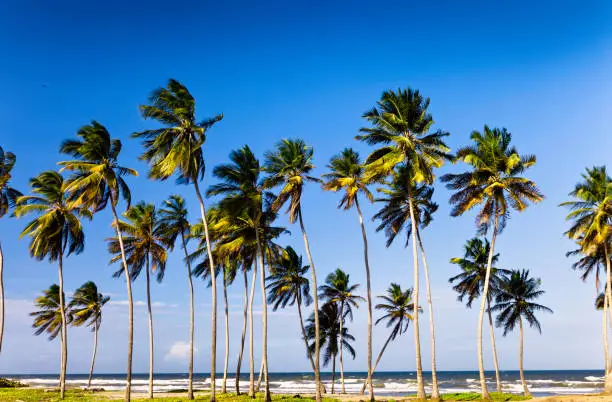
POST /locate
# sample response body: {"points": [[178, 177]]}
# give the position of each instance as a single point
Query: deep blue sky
{"points": [[309, 70]]}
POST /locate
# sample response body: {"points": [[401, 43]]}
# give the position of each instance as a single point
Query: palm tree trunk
{"points": [[608, 380], [150, 331], [492, 332], [333, 374], [608, 376], [369, 297], [2, 309], [213, 281], [244, 327], [342, 390], [435, 390], [93, 357], [64, 355], [377, 360], [525, 389], [305, 336], [260, 376], [264, 305], [251, 346], [191, 318], [485, 296], [128, 281], [417, 338], [224, 387], [315, 299]]}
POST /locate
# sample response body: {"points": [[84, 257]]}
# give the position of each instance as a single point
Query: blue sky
{"points": [[309, 70]]}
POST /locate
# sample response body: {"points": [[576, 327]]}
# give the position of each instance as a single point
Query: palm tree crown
{"points": [[329, 329], [347, 173], [173, 220], [86, 306], [8, 195], [398, 309], [287, 282], [337, 289], [49, 318]]}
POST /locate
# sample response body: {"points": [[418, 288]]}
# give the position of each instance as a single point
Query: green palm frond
{"points": [[86, 306], [48, 319]]}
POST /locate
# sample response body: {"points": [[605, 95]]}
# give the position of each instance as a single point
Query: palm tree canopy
{"points": [[289, 166], [97, 176], [338, 289], [144, 240], [394, 216], [8, 195], [494, 180], [599, 301], [400, 123], [49, 317], [287, 282], [56, 229], [86, 306], [470, 282], [591, 260], [329, 328], [346, 172], [514, 300], [173, 220], [398, 308], [177, 146]]}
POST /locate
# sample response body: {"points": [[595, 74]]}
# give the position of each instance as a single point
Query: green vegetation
{"points": [[472, 396]]}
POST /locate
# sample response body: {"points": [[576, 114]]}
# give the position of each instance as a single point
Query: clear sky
{"points": [[309, 70]]}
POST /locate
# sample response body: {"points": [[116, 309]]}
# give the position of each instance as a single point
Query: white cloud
{"points": [[179, 351]]}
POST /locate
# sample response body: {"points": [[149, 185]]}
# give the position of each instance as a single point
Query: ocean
{"points": [[390, 383]]}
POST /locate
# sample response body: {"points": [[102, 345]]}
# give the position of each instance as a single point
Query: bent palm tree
{"points": [[495, 183], [86, 309], [50, 317], [177, 147], [400, 123], [55, 233], [514, 301], [8, 195], [97, 180]]}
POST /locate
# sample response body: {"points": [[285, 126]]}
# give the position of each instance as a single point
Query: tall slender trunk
{"points": [[260, 376], [93, 357], [305, 336], [191, 318], [342, 390], [315, 299], [213, 281], [64, 355], [369, 298], [244, 327], [251, 346], [417, 337], [608, 375], [492, 332], [333, 380], [435, 390], [226, 311], [128, 281], [2, 309], [525, 389], [377, 360], [264, 307], [483, 303], [150, 330]]}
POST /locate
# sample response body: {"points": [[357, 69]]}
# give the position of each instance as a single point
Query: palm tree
{"points": [[514, 301], [600, 303], [177, 148], [330, 335], [399, 309], [86, 309], [395, 216], [338, 290], [400, 123], [470, 282], [50, 317], [289, 166], [174, 223], [55, 233], [347, 173], [495, 183], [145, 243], [97, 180], [8, 195]]}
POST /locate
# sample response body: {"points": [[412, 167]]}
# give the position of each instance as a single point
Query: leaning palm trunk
{"points": [[525, 389], [93, 357], [608, 376], [128, 281], [435, 391], [2, 309], [64, 357], [417, 340], [342, 390], [244, 327], [150, 331], [369, 291], [224, 386], [191, 318], [251, 346], [213, 281], [377, 360], [260, 376], [315, 299], [608, 297], [264, 307], [492, 332]]}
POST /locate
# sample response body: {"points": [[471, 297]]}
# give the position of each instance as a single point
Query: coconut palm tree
{"points": [[330, 336], [86, 309], [398, 311], [8, 195], [338, 290], [495, 183], [346, 172], [97, 181], [470, 282], [177, 147], [55, 233], [289, 166], [174, 222], [50, 317], [400, 124], [514, 301], [145, 243]]}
